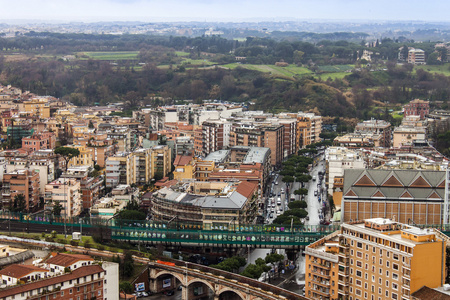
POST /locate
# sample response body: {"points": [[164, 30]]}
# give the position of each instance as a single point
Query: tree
{"points": [[288, 179], [126, 286], [67, 153], [273, 258], [57, 208], [128, 265], [19, 204], [231, 264], [297, 204]]}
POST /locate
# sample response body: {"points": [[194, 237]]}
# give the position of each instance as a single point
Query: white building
{"points": [[339, 159]]}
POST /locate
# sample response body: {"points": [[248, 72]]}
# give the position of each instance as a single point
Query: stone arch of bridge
{"points": [[207, 283], [174, 274], [228, 289]]}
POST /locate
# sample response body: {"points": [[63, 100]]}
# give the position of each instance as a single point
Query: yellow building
{"points": [[203, 168], [184, 167], [38, 107], [84, 159], [375, 259]]}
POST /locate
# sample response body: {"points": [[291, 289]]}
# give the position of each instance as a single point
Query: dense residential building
{"points": [[65, 191], [90, 187], [359, 140], [380, 127], [260, 136], [45, 167], [375, 259], [84, 282], [417, 107], [416, 56], [39, 107], [83, 159], [405, 195], [119, 169], [407, 135], [21, 182], [233, 205], [15, 274], [309, 127], [337, 160], [138, 167], [44, 140], [215, 136]]}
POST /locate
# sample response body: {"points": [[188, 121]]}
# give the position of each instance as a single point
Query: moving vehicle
{"points": [[314, 178], [315, 193]]}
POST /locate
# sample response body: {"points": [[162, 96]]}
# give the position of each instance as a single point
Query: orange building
{"points": [[23, 182], [39, 141], [375, 259]]}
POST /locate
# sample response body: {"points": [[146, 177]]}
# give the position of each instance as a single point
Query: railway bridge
{"points": [[200, 282]]}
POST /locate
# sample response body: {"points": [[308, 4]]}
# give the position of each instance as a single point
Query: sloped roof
{"points": [[426, 293], [182, 160], [417, 184], [77, 273], [65, 260], [246, 188], [20, 271]]}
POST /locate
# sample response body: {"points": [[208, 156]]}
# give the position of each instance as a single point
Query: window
{"points": [[359, 245], [395, 266], [62, 294], [70, 291], [358, 273], [394, 276], [394, 296], [387, 264], [358, 282], [387, 294]]}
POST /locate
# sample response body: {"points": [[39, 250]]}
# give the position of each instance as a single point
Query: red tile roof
{"points": [[182, 160], [65, 260], [247, 188], [80, 272], [20, 271]]}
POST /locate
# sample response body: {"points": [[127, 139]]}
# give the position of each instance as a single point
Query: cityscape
{"points": [[224, 151]]}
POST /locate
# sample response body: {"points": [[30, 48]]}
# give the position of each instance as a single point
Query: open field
{"points": [[110, 55], [440, 69], [290, 71], [181, 53]]}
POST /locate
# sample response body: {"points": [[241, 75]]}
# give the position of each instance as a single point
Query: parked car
{"points": [[315, 193], [169, 293]]}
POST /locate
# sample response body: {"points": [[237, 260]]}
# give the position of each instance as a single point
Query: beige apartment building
{"points": [[66, 191], [374, 259]]}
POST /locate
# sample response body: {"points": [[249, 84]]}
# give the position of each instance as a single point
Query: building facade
{"points": [[374, 259]]}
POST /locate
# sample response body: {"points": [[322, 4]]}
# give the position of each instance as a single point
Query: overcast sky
{"points": [[223, 10]]}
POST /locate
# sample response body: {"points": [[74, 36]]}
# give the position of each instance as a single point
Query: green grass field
{"points": [[111, 55], [290, 71], [336, 68], [441, 69], [181, 53]]}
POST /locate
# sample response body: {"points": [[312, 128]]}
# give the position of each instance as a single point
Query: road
{"points": [[314, 206]]}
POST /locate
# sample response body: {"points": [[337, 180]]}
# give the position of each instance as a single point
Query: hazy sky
{"points": [[223, 10]]}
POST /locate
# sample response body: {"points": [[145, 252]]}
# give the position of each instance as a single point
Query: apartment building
{"points": [[83, 159], [85, 281], [215, 136], [406, 195], [374, 259], [45, 167], [138, 167], [339, 159], [417, 107], [416, 56], [380, 127], [119, 169], [38, 107], [44, 140], [359, 140], [260, 136], [66, 191], [309, 127], [407, 135], [21, 182]]}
